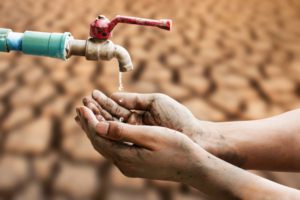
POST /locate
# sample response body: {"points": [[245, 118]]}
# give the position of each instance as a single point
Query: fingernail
{"points": [[102, 128], [94, 93]]}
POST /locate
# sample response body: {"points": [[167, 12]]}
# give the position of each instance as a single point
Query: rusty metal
{"points": [[76, 47], [95, 49], [101, 27]]}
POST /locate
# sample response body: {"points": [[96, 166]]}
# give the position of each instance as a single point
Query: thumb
{"points": [[140, 135]]}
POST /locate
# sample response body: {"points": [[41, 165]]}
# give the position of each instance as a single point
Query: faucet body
{"points": [[96, 49], [63, 45]]}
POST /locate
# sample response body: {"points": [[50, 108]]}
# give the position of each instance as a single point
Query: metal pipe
{"points": [[76, 48]]}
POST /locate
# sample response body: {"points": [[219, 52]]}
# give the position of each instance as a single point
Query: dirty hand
{"points": [[145, 109], [155, 152], [149, 152]]}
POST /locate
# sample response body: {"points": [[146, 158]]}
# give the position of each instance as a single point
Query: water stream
{"points": [[121, 88]]}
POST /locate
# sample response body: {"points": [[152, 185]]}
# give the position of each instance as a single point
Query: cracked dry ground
{"points": [[225, 60]]}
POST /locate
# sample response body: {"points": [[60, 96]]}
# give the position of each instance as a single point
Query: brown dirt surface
{"points": [[225, 60]]}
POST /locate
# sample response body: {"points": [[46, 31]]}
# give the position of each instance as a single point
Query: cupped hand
{"points": [[152, 152], [145, 109]]}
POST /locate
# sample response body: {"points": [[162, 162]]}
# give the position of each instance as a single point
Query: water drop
{"points": [[121, 119]]}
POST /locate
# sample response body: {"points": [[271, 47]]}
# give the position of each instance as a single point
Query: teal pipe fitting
{"points": [[14, 41], [46, 44], [35, 43], [3, 39]]}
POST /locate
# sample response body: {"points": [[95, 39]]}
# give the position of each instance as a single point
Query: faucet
{"points": [[63, 45]]}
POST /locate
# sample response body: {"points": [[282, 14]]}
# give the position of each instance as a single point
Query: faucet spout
{"points": [[125, 63], [95, 49]]}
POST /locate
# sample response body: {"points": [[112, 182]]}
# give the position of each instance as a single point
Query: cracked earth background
{"points": [[224, 60]]}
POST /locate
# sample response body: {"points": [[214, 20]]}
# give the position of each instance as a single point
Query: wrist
{"points": [[196, 167], [208, 136], [203, 173], [216, 139]]}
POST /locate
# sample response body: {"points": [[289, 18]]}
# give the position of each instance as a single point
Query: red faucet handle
{"points": [[101, 28], [161, 23]]}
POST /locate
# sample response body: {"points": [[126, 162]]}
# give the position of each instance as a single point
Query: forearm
{"points": [[271, 144], [220, 179]]}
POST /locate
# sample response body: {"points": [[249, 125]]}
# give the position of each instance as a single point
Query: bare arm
{"points": [[213, 174], [267, 144], [165, 154]]}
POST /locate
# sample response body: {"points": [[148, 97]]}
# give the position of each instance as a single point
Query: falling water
{"points": [[121, 88]]}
